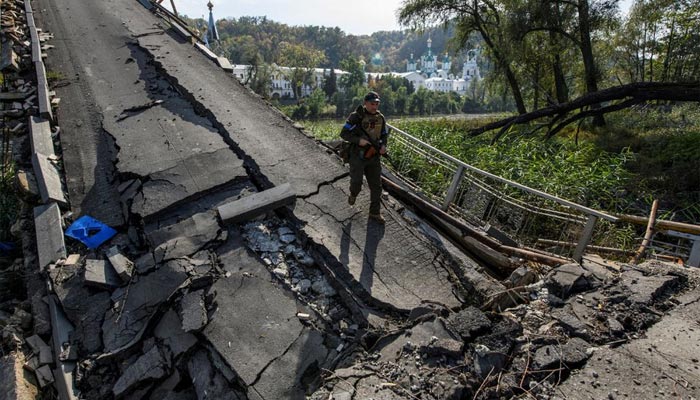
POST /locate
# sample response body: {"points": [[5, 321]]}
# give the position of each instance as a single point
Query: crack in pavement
{"points": [[136, 110], [324, 183]]}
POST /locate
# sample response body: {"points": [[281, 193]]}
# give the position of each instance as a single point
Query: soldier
{"points": [[366, 131]]}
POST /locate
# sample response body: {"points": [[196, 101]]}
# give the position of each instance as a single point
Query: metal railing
{"points": [[505, 209]]}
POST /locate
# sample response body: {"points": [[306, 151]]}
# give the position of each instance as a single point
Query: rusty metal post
{"points": [[454, 186], [172, 2], [585, 238]]}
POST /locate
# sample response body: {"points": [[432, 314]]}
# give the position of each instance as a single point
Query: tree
{"points": [[315, 103], [330, 85], [355, 75], [302, 61]]}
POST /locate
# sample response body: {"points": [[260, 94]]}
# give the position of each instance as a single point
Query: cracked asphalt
{"points": [[154, 137]]}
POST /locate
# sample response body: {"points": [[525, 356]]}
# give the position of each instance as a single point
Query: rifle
{"points": [[375, 146]]}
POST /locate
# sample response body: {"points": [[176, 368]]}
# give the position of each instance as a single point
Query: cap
{"points": [[372, 96]]}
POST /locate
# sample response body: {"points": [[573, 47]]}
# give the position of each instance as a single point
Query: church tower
{"points": [[411, 66], [429, 64]]}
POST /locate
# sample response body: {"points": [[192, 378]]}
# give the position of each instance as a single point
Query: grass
{"points": [[643, 154]]}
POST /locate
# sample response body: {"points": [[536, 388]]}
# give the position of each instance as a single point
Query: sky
{"points": [[357, 17]]}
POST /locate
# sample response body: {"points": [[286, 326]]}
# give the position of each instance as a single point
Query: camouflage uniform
{"points": [[375, 126]]}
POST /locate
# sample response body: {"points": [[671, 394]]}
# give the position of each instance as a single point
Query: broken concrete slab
{"points": [[13, 382], [122, 265], [272, 354], [48, 179], [257, 204], [50, 243], [83, 308], [424, 334], [153, 365], [384, 265], [42, 91], [189, 178], [169, 330], [193, 312], [646, 289], [101, 274], [185, 237], [40, 135], [125, 322]]}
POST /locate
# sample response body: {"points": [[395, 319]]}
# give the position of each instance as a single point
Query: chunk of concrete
{"points": [[125, 322], [122, 265], [153, 365], [101, 274], [41, 139], [180, 30], [35, 343], [207, 52], [469, 322], [224, 63], [169, 330], [488, 361], [185, 237], [48, 179], [44, 376], [568, 355], [50, 243], [567, 279], [9, 61], [42, 91], [193, 313], [257, 204]]}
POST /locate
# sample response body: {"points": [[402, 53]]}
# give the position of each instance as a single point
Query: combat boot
{"points": [[377, 218]]}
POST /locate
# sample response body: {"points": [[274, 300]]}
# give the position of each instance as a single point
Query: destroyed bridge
{"points": [[186, 240]]}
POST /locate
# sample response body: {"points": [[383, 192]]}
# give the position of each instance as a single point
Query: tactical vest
{"points": [[372, 124]]}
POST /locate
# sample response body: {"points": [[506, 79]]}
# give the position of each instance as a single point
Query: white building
{"points": [[281, 84], [429, 76]]}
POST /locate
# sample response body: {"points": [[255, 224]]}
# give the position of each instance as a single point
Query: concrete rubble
{"points": [[208, 292]]}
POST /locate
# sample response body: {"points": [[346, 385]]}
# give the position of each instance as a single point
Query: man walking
{"points": [[366, 130]]}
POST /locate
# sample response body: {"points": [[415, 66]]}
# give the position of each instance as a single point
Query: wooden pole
{"points": [[172, 2], [648, 234], [662, 224], [589, 247]]}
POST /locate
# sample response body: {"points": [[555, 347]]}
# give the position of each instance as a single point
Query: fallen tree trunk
{"points": [[633, 93]]}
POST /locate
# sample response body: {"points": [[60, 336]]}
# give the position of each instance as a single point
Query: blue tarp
{"points": [[90, 231], [6, 248]]}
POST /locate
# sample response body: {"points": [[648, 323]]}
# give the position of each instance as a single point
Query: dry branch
{"points": [[631, 94]]}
